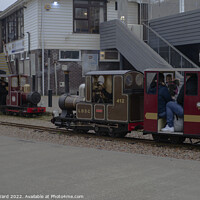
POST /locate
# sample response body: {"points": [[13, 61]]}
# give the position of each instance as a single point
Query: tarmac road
{"points": [[36, 168]]}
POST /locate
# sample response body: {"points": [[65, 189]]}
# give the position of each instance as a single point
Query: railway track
{"points": [[71, 133], [129, 140]]}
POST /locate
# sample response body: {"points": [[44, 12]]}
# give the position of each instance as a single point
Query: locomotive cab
{"points": [[113, 104], [184, 126]]}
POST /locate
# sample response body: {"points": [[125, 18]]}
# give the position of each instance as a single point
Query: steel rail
{"points": [[129, 140]]}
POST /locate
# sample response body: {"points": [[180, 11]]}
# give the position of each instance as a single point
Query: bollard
{"points": [[33, 82], [49, 98]]}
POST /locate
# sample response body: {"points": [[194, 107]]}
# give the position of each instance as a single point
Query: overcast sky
{"points": [[5, 3]]}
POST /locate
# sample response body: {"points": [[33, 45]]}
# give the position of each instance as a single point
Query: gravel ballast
{"points": [[157, 149]]}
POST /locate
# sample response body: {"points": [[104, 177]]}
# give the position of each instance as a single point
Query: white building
{"points": [[48, 38]]}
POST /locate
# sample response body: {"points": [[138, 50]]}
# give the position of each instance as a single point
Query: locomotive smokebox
{"points": [[34, 97], [68, 102]]}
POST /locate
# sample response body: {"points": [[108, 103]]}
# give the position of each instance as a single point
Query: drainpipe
{"points": [[56, 80], [181, 6], [42, 22], [29, 42]]}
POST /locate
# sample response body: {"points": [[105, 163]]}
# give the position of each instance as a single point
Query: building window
{"points": [[109, 56], [116, 5], [143, 17], [88, 14], [13, 26], [66, 55]]}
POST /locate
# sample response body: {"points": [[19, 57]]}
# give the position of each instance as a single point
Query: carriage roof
{"points": [[173, 70], [111, 72]]}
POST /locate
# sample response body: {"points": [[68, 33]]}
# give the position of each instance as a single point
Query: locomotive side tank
{"points": [[112, 105]]}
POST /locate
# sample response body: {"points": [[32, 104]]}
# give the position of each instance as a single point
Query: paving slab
{"points": [[37, 168]]}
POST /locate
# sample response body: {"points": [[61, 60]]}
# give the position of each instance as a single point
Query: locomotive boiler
{"points": [[110, 103]]}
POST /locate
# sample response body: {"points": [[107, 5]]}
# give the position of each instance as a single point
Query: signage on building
{"points": [[15, 47]]}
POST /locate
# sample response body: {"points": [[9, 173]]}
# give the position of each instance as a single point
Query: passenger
{"points": [[3, 92], [173, 88], [173, 107], [163, 96], [168, 79]]}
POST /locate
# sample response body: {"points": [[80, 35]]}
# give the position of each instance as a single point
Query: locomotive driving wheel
{"points": [[100, 131], [113, 133]]}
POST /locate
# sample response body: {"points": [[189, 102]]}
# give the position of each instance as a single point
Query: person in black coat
{"points": [[163, 96]]}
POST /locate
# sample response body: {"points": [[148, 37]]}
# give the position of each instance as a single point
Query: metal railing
{"points": [[7, 57], [167, 51]]}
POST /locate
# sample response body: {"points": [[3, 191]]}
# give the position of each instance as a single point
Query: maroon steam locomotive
{"points": [[16, 96]]}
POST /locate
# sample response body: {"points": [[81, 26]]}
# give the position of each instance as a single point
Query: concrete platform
{"points": [[29, 167]]}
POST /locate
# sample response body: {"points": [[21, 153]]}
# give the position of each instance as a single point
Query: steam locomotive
{"points": [[16, 96], [112, 104]]}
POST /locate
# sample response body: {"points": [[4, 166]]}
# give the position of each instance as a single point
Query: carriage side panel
{"points": [[192, 109], [150, 104]]}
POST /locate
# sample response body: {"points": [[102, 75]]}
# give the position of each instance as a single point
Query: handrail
{"points": [[7, 57], [160, 37]]}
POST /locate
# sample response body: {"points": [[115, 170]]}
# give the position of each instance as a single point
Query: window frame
{"points": [[69, 59], [13, 24], [88, 6], [149, 81], [109, 60]]}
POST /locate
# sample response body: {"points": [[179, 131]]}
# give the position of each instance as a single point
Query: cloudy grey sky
{"points": [[5, 3]]}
